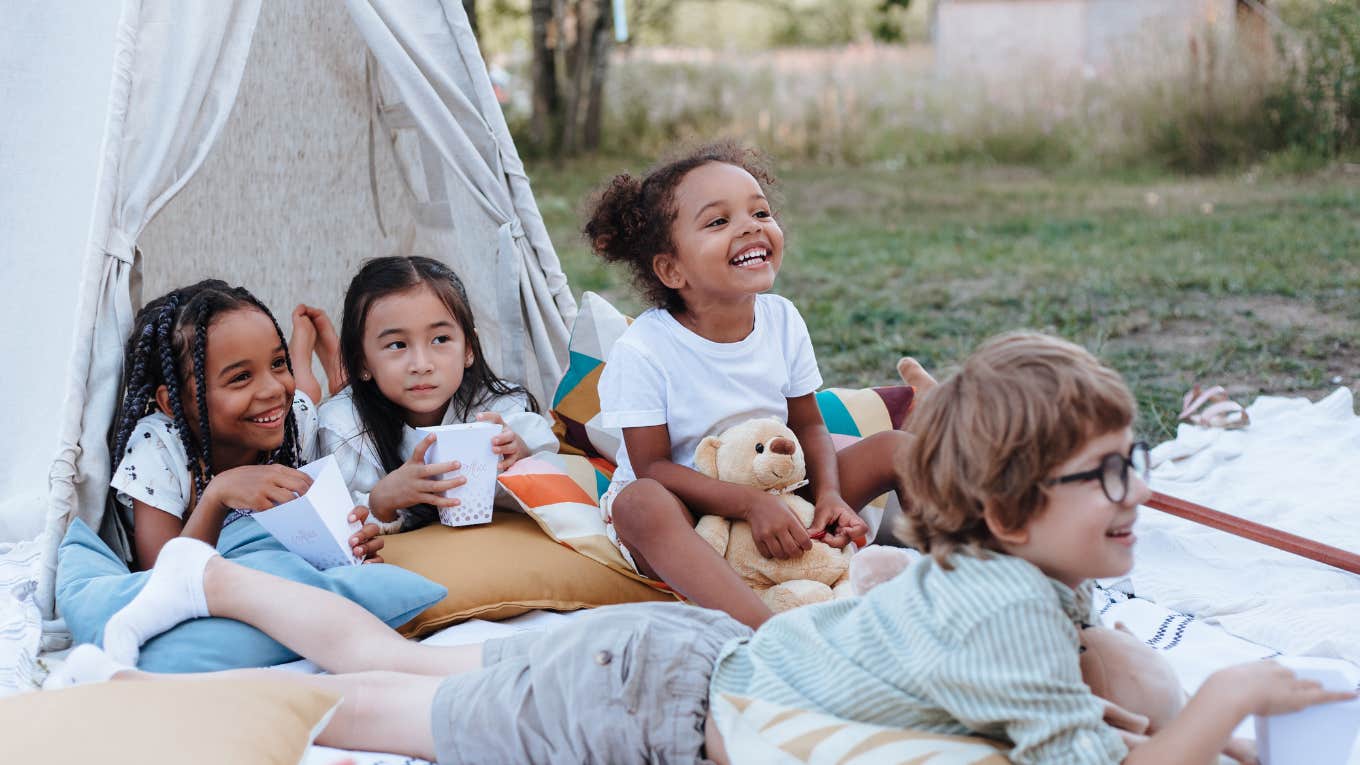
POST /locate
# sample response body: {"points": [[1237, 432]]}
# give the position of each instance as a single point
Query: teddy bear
{"points": [[765, 454], [1138, 685]]}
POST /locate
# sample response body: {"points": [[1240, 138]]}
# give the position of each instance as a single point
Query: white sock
{"points": [[85, 664], [173, 594]]}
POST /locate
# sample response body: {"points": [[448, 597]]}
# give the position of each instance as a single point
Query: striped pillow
{"points": [[758, 731], [562, 492]]}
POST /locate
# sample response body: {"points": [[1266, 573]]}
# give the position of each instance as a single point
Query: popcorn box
{"points": [[470, 445]]}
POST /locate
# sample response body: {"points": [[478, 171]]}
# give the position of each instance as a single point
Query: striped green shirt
{"points": [[989, 648]]}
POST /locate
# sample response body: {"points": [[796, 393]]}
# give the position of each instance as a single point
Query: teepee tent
{"points": [[271, 144]]}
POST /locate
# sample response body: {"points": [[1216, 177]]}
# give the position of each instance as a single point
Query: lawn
{"points": [[1249, 280]]}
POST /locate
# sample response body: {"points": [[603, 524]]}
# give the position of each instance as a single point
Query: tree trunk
{"points": [[571, 43], [603, 43], [546, 103]]}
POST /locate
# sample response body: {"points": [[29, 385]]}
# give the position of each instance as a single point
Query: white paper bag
{"points": [[316, 525], [470, 445]]}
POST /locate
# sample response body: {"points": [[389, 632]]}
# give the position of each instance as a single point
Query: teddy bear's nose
{"points": [[780, 445]]}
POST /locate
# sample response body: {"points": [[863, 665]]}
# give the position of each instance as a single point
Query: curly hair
{"points": [[1022, 405], [630, 218], [168, 346], [382, 420]]}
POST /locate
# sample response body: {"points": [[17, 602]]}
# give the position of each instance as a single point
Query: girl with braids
{"points": [[702, 242], [410, 350], [212, 424]]}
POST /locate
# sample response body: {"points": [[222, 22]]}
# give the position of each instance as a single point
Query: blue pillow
{"points": [[93, 584]]}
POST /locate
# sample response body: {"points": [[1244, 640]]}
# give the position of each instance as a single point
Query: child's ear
{"points": [[992, 517], [468, 357], [667, 270], [163, 401]]}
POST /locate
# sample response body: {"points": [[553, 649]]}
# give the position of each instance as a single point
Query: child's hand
{"points": [[255, 487], [1270, 688], [835, 522], [414, 483], [509, 446], [367, 540], [775, 527]]}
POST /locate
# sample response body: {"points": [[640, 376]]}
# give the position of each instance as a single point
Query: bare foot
{"points": [[327, 348], [915, 375], [300, 347]]}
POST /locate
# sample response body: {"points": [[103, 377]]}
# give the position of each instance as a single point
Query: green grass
{"points": [[1250, 281]]}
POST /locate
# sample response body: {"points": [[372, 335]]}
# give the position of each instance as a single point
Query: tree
{"points": [[572, 40]]}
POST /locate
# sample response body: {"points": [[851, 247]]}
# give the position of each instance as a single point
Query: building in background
{"points": [[1001, 40]]}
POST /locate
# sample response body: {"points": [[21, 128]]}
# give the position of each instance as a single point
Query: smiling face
{"points": [[726, 241], [1080, 534], [415, 352], [249, 388]]}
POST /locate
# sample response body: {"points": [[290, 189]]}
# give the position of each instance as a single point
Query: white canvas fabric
{"points": [[176, 69], [171, 74], [466, 182]]}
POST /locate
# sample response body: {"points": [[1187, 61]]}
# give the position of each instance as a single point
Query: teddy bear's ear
{"points": [[706, 456]]}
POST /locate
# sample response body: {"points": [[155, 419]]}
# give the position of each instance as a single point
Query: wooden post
{"points": [[1257, 532]]}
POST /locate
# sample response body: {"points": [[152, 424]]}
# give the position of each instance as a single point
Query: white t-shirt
{"points": [[660, 373], [154, 469], [343, 435]]}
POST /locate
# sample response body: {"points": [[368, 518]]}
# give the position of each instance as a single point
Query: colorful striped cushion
{"points": [[562, 491], [758, 731]]}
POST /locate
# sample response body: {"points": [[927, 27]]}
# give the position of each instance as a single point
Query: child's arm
{"points": [[805, 419], [1202, 729], [522, 432], [777, 531]]}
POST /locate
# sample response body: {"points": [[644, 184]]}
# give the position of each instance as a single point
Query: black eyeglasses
{"points": [[1113, 472]]}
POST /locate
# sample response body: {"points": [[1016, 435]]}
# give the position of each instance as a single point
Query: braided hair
{"points": [[168, 346], [381, 419]]}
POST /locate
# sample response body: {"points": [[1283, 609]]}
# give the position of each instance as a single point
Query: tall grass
{"points": [[1206, 106]]}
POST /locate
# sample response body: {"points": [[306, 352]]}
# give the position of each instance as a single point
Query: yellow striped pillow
{"points": [[758, 731]]}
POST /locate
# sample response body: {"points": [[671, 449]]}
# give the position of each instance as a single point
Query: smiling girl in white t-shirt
{"points": [[702, 242]]}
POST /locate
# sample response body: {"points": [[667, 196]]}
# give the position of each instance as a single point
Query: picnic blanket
{"points": [[1297, 468]]}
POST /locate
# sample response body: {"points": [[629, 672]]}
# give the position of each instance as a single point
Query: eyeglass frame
{"points": [[1098, 473]]}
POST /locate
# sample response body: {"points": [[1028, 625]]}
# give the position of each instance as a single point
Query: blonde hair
{"points": [[1022, 404]]}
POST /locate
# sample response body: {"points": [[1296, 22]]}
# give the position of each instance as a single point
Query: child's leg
{"points": [[659, 532], [379, 711], [191, 580], [333, 632], [868, 467]]}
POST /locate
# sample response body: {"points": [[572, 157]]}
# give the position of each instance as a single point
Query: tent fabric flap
{"points": [[470, 191], [177, 67]]}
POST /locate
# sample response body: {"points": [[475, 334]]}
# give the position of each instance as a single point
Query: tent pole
{"points": [[1280, 540]]}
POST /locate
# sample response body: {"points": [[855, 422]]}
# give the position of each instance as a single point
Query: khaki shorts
{"points": [[621, 684]]}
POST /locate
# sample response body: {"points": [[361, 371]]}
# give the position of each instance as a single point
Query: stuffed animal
{"points": [[764, 453], [1138, 685]]}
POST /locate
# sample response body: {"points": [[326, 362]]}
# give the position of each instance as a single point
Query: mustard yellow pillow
{"points": [[206, 721], [503, 569]]}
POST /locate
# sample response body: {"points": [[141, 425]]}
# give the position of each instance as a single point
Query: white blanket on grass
{"points": [[1297, 468]]}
